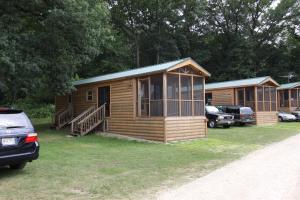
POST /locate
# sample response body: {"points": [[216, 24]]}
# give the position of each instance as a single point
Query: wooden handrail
{"points": [[64, 117], [86, 118], [83, 113], [92, 120]]}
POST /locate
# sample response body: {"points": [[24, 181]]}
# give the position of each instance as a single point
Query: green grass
{"points": [[95, 167]]}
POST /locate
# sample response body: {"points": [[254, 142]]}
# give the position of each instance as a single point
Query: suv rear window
{"points": [[246, 110], [13, 119]]}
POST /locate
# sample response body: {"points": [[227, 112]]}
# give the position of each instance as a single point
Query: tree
{"points": [[43, 43]]}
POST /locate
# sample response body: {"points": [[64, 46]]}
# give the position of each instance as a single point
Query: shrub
{"points": [[35, 110]]}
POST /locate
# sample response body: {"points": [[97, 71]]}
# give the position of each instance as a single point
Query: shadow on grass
{"points": [[5, 172]]}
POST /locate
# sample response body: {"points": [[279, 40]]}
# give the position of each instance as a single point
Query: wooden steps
{"points": [[88, 121]]}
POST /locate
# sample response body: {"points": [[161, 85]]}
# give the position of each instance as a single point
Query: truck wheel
{"points": [[212, 124], [18, 166]]}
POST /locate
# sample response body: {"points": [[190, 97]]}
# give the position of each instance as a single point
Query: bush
{"points": [[35, 110]]}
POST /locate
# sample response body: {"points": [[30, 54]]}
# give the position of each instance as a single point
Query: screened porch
{"points": [[178, 93], [289, 98], [259, 98]]}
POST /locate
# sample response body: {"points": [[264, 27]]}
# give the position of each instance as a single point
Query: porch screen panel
{"points": [[260, 98], [144, 95], [173, 95], [267, 98], [198, 96], [281, 98], [240, 96], [156, 95], [186, 96], [294, 97], [273, 99], [298, 97], [249, 93], [286, 98]]}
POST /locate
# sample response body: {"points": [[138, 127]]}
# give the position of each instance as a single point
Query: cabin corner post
{"points": [[290, 100], [276, 99], [255, 99], [165, 108]]}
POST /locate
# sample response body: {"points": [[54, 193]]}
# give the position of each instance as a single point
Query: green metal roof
{"points": [[239, 83], [136, 72], [289, 85]]}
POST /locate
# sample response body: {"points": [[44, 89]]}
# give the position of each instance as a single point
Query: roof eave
{"points": [[194, 64], [269, 78]]}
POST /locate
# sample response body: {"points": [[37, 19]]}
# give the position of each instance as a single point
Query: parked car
{"points": [[216, 117], [286, 117], [297, 114], [18, 140], [242, 115]]}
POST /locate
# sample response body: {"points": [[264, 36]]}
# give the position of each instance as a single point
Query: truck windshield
{"points": [[246, 110]]}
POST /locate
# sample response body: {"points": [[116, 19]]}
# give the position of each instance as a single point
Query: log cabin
{"points": [[289, 97], [257, 93], [163, 102]]}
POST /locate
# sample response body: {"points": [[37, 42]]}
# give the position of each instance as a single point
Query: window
{"points": [[298, 97], [266, 98], [245, 97], [294, 98], [283, 98], [273, 99], [144, 97], [198, 96], [156, 95], [208, 98], [249, 95], [90, 95], [260, 99], [151, 96], [173, 95], [240, 96], [186, 96]]}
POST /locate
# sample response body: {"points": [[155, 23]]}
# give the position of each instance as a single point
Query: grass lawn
{"points": [[95, 167]]}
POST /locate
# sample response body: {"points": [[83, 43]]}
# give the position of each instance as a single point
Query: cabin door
{"points": [[104, 97]]}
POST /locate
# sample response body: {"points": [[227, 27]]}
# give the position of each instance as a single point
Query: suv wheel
{"points": [[280, 119], [212, 124], [18, 166]]}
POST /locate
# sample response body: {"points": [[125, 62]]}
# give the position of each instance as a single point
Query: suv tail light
{"points": [[31, 137]]}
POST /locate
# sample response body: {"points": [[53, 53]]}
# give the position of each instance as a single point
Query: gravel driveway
{"points": [[271, 173]]}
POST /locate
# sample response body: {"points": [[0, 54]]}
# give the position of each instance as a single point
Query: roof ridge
{"points": [[240, 80], [148, 66]]}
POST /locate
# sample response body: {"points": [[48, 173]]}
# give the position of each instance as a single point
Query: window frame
{"points": [[90, 95]]}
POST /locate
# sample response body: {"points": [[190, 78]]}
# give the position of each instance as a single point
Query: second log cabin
{"points": [[289, 97], [258, 93]]}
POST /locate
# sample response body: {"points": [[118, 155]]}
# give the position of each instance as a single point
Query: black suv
{"points": [[217, 117], [18, 140], [242, 115]]}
